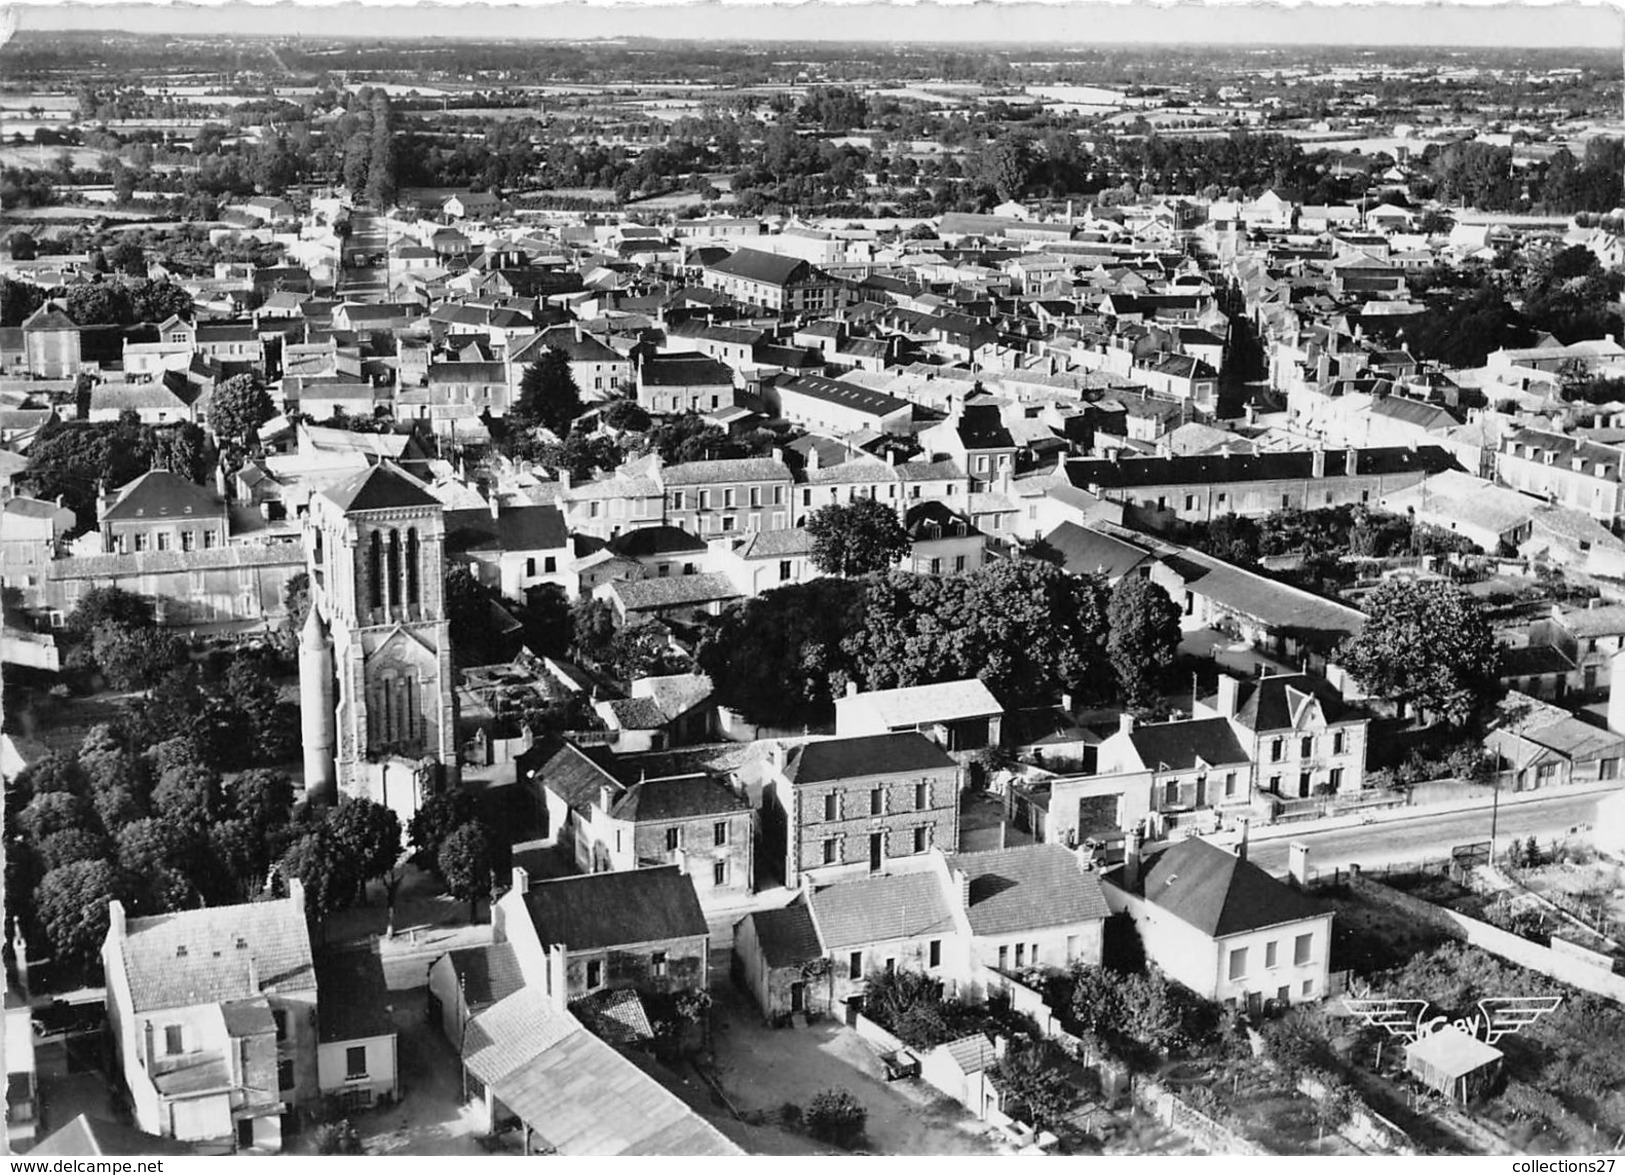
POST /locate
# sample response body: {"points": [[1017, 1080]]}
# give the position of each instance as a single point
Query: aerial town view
{"points": [[708, 593]]}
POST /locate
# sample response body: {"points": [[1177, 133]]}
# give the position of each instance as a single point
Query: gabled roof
{"points": [[1274, 703], [880, 909], [1180, 746], [162, 494], [487, 974], [686, 797], [1028, 887], [684, 369], [673, 591], [208, 956], [943, 701], [769, 268], [876, 754], [1219, 894], [1085, 551], [87, 1135], [845, 395], [384, 486], [353, 995], [787, 936], [648, 541], [515, 528], [570, 772], [603, 910]]}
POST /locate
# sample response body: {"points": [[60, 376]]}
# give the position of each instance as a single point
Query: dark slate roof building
{"points": [[877, 754], [603, 910]]}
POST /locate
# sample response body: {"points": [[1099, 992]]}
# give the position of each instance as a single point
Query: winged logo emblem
{"points": [[1407, 1019]]}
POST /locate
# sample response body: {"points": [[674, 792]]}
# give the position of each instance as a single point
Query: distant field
{"points": [[43, 101], [32, 157], [65, 212]]}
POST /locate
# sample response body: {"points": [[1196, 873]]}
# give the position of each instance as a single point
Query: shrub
{"points": [[338, 1138], [835, 1116]]}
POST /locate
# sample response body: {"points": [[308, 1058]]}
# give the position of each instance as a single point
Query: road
{"points": [[1429, 837], [365, 283]]}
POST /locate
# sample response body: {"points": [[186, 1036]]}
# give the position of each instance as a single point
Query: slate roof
{"points": [[655, 540], [603, 910], [1271, 703], [1180, 746], [515, 528], [982, 427], [162, 494], [686, 797], [379, 487], [880, 909], [87, 1135], [787, 936], [1290, 465], [1092, 552], [685, 369], [845, 395], [1028, 887], [736, 469], [570, 772], [202, 956], [1219, 894], [875, 754], [768, 268], [353, 996]]}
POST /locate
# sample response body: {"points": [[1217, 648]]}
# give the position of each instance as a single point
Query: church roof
{"points": [[379, 487]]}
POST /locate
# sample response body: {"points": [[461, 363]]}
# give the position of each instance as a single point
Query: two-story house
{"points": [[1588, 637], [213, 1016], [513, 548], [941, 541], [1302, 737], [1030, 906], [976, 437], [696, 822], [841, 806], [1220, 925], [162, 511], [1570, 471], [1192, 769], [672, 384], [708, 498], [771, 281]]}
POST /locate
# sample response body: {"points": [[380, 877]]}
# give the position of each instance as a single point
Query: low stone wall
{"points": [[1174, 1112], [876, 1035], [1554, 964]]}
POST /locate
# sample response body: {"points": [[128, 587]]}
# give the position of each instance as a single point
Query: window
{"points": [[936, 567], [728, 522], [1308, 988], [727, 499], [173, 1042], [141, 542], [284, 1074], [1306, 747], [719, 832], [1305, 783], [784, 570], [1229, 785], [1021, 955], [208, 540], [280, 1018], [550, 564], [1608, 769], [934, 953], [674, 839], [832, 806], [1269, 953], [657, 964], [1004, 958], [719, 873], [778, 495], [831, 851], [677, 499], [1238, 962], [1170, 793], [1335, 778], [1300, 949], [854, 965], [705, 499], [595, 974], [806, 497], [959, 562], [355, 1062], [1190, 501], [1339, 742], [877, 801], [1222, 500], [1275, 784], [922, 796], [665, 570], [1286, 501], [188, 540], [1277, 750], [755, 496], [920, 839]]}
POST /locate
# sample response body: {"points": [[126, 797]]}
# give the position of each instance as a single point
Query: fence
{"points": [[1178, 1114]]}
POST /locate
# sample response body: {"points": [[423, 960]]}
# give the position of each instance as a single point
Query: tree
{"points": [[135, 658], [70, 845], [54, 771], [465, 863], [330, 876], [625, 416], [548, 395], [110, 605], [592, 630], [434, 821], [1143, 637], [128, 257], [70, 905], [184, 449], [262, 798], [468, 608], [835, 1116], [18, 300], [188, 794], [1426, 643], [1033, 1074], [777, 658], [52, 812], [857, 538], [238, 407], [369, 834]]}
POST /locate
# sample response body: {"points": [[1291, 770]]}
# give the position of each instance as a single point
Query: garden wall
{"points": [[875, 1034], [1552, 963], [1174, 1112]]}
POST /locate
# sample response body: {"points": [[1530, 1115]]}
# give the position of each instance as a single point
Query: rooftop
{"points": [[880, 909], [616, 909], [852, 758], [1028, 887], [1219, 894]]}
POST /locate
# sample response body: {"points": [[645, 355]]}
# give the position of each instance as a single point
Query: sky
{"points": [[1595, 25]]}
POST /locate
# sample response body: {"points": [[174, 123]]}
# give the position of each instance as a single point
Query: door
{"points": [[798, 997], [877, 852], [1201, 791], [245, 1132]]}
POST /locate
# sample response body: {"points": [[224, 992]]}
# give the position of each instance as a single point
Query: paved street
{"points": [[1429, 837], [367, 236]]}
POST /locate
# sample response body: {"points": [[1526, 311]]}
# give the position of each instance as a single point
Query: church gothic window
{"points": [[375, 571], [412, 557], [394, 569]]}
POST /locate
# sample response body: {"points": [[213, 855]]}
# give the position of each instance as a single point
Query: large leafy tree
{"points": [[72, 461], [857, 537], [370, 835], [548, 395], [70, 905], [238, 407], [434, 821], [777, 658], [184, 449], [465, 862], [1033, 1073], [1143, 638], [1428, 644]]}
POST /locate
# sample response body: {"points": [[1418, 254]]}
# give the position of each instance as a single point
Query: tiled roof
{"points": [[488, 974], [876, 754], [617, 1016], [1028, 888], [943, 701], [972, 1054], [202, 956], [1180, 746], [1276, 604], [787, 936], [353, 996], [616, 909], [739, 469], [569, 772], [1219, 894], [139, 563], [776, 544], [673, 591], [86, 1135], [512, 1032], [880, 909], [635, 713]]}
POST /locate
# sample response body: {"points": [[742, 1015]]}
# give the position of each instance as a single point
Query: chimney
{"points": [[891, 459], [521, 880], [1131, 859], [495, 503], [564, 480], [1317, 463], [253, 973], [1229, 693], [1351, 461], [606, 797], [1241, 845], [812, 458], [115, 923], [1066, 702], [962, 887], [296, 893], [851, 689], [1126, 723], [1298, 864]]}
